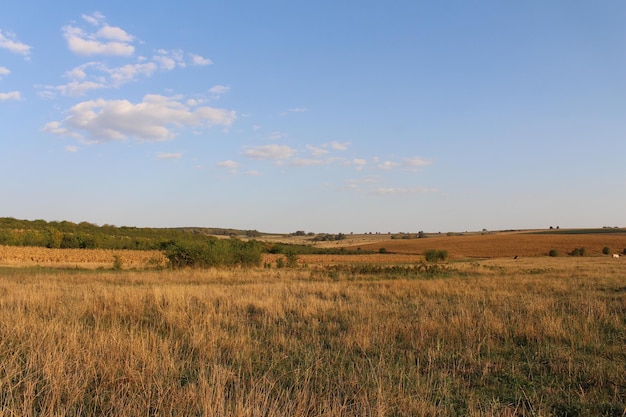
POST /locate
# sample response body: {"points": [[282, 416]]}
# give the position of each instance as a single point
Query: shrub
{"points": [[578, 252], [384, 250], [292, 259], [214, 253], [117, 263], [606, 250], [553, 252], [435, 255]]}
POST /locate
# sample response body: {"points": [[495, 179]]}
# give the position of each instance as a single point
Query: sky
{"points": [[325, 116]]}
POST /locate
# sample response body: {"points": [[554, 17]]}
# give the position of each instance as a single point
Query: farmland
{"points": [[481, 334]]}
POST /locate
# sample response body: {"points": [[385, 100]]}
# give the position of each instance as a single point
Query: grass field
{"points": [[343, 336]]}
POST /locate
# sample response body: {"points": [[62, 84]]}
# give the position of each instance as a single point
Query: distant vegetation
{"points": [[184, 247]]}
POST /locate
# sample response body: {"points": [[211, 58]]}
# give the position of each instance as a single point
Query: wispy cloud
{"points": [[168, 155], [339, 146], [218, 90], [156, 118], [230, 165], [271, 152], [416, 162], [4, 71], [71, 149], [388, 165], [294, 110], [316, 151], [402, 191], [9, 41]]}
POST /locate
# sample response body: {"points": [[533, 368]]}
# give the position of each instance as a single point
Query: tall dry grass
{"points": [[486, 339]]}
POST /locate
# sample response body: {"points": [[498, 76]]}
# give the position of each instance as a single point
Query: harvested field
{"points": [[83, 258], [501, 245]]}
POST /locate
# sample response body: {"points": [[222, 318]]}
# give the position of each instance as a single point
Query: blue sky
{"points": [[326, 116]]}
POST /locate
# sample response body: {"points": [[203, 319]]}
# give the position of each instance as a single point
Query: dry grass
{"points": [[542, 337]]}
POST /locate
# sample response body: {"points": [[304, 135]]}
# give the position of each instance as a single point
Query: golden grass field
{"points": [[480, 335]]}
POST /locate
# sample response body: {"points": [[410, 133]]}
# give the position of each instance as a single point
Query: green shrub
{"points": [[578, 252], [435, 255], [606, 250], [553, 252], [214, 253], [384, 250]]}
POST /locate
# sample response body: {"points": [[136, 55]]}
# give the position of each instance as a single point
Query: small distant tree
{"points": [[421, 234], [384, 250], [578, 252], [553, 252], [606, 250]]}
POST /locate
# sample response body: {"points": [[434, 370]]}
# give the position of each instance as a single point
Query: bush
{"points": [[606, 250], [292, 259], [435, 255], [553, 252], [214, 253], [578, 252], [384, 250]]}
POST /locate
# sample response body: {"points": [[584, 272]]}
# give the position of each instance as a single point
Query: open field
{"points": [[470, 246], [497, 337]]}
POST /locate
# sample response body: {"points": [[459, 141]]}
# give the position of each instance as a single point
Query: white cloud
{"points": [[199, 60], [316, 151], [130, 72], [114, 33], [153, 119], [71, 149], [82, 43], [274, 151], [416, 162], [228, 164], [219, 89], [13, 95], [9, 41], [4, 71], [165, 156], [108, 40]]}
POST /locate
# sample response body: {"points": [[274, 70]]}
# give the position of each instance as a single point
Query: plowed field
{"points": [[505, 244]]}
